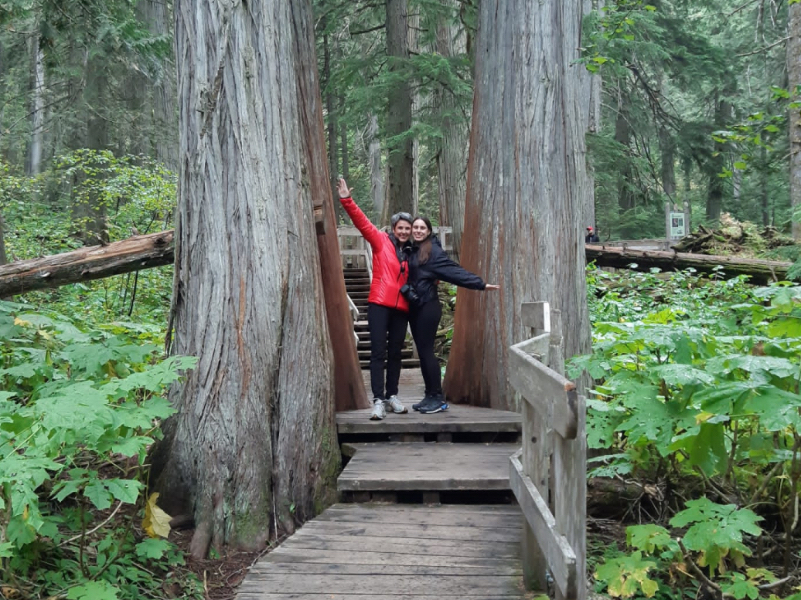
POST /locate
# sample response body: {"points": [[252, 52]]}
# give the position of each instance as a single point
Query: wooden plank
{"points": [[289, 564], [370, 584], [550, 393], [278, 596], [342, 557], [413, 546], [422, 514], [457, 419], [500, 521], [560, 556], [398, 466], [536, 346], [536, 465], [412, 530], [536, 315], [570, 500]]}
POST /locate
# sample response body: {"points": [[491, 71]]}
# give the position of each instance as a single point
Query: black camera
{"points": [[410, 294]]}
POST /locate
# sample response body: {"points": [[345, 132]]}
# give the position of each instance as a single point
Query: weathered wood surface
{"points": [[393, 552], [85, 264], [550, 393], [397, 466], [760, 271], [458, 418], [556, 550]]}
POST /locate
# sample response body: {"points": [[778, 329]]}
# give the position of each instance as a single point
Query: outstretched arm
{"points": [[452, 272], [360, 220]]}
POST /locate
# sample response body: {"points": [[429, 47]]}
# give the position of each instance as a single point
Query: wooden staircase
{"points": [[426, 513], [357, 284]]}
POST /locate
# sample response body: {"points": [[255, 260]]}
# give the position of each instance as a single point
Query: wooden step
{"points": [[397, 466], [355, 273], [373, 552], [459, 418], [406, 363], [365, 354]]}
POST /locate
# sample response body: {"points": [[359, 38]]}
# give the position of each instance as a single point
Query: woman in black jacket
{"points": [[427, 266]]}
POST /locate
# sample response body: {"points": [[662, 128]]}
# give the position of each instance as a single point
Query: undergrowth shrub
{"points": [[697, 396], [78, 412]]}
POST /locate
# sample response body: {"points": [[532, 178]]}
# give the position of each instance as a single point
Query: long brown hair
{"points": [[424, 252]]}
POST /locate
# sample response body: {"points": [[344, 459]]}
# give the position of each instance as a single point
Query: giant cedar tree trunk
{"points": [[453, 149], [715, 189], [794, 74], [253, 446], [527, 189], [400, 163]]}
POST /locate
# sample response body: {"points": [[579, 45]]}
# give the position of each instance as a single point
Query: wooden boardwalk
{"points": [[368, 551], [396, 552]]}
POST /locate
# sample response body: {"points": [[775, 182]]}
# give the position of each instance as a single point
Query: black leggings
{"points": [[387, 334], [425, 322]]}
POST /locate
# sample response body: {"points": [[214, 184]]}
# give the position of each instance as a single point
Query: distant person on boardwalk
{"points": [[387, 309], [592, 236], [428, 265]]}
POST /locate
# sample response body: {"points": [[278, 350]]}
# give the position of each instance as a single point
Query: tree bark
{"points": [[252, 449], [453, 149], [399, 119], [794, 75], [527, 189], [37, 107], [625, 187], [3, 259], [88, 263], [667, 147], [331, 123], [714, 200], [377, 188]]}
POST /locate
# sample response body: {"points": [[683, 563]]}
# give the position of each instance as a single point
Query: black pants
{"points": [[425, 322], [387, 333]]}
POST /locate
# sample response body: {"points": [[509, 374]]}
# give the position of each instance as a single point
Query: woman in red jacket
{"points": [[387, 309]]}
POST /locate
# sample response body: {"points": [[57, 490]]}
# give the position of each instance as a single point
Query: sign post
{"points": [[677, 221]]}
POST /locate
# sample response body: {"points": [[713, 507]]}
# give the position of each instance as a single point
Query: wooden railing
{"points": [[356, 252], [548, 475]]}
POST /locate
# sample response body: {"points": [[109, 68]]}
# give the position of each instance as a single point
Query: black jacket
{"points": [[438, 267]]}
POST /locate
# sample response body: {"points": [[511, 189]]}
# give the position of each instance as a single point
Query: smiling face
{"points": [[420, 230], [402, 231]]}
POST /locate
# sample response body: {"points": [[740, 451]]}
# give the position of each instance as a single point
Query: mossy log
{"points": [[760, 271], [85, 264]]}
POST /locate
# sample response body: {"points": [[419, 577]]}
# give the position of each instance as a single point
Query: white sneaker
{"points": [[396, 405], [379, 412]]}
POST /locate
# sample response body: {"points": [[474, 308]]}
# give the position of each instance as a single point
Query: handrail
{"points": [[551, 465]]}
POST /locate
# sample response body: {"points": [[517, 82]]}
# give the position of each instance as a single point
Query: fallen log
{"points": [[760, 271], [157, 249], [85, 264]]}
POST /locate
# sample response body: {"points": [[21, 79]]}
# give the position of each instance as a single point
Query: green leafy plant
{"points": [[78, 412]]}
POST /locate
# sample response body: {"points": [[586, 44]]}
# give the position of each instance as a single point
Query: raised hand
{"points": [[491, 286], [343, 189]]}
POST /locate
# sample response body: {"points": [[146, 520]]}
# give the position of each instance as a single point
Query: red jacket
{"points": [[389, 274]]}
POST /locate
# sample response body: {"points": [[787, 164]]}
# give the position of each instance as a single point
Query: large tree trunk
{"points": [[625, 186], [37, 107], [163, 89], [377, 188], [89, 210], [399, 120], [667, 148], [453, 149], [3, 259], [794, 75], [527, 189], [253, 447], [715, 189]]}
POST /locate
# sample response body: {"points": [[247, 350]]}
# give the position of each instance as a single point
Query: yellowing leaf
{"points": [[21, 323], [703, 417], [156, 522]]}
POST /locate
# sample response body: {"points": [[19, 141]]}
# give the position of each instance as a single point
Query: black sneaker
{"points": [[433, 404], [427, 398]]}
